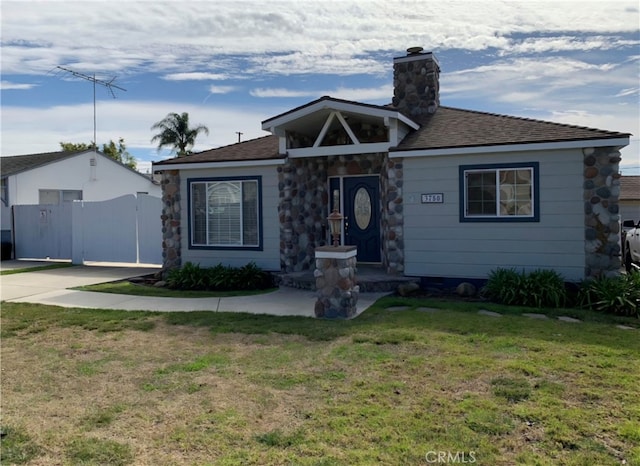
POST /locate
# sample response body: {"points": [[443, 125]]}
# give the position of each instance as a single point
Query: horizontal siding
{"points": [[630, 210], [438, 244], [269, 257]]}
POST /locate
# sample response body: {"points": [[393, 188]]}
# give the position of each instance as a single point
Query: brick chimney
{"points": [[416, 85]]}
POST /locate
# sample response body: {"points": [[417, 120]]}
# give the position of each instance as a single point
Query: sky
{"points": [[233, 64]]}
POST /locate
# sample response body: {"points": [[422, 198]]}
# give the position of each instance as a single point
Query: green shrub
{"points": [[614, 295], [540, 288], [503, 286], [219, 278], [188, 277], [545, 288]]}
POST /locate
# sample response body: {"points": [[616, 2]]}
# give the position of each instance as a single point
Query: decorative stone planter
{"points": [[336, 282]]}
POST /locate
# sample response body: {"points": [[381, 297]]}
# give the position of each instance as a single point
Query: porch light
{"points": [[335, 226]]}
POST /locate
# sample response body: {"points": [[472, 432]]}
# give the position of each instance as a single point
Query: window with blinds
{"points": [[225, 213]]}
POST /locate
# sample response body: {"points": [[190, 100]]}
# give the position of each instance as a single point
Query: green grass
{"points": [[36, 268], [93, 451], [16, 446], [125, 287], [36, 318], [385, 388]]}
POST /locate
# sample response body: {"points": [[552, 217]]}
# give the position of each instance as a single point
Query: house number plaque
{"points": [[432, 198]]}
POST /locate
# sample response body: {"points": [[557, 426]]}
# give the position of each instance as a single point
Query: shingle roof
{"points": [[630, 188], [447, 128], [263, 148], [10, 165], [454, 127]]}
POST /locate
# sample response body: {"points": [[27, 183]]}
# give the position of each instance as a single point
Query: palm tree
{"points": [[176, 133]]}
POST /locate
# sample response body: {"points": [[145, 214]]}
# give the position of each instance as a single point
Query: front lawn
{"points": [[390, 387]]}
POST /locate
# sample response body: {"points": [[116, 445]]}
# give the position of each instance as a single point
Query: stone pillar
{"points": [[171, 221], [336, 282], [602, 219], [391, 181]]}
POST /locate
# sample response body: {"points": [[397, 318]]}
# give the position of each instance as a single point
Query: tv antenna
{"points": [[108, 84]]}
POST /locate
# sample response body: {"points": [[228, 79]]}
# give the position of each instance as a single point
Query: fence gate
{"points": [[42, 231], [124, 229]]}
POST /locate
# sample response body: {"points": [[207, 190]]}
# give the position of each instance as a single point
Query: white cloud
{"points": [[357, 94], [8, 85], [221, 89], [280, 92], [195, 77], [289, 37], [628, 91], [539, 79], [541, 45]]}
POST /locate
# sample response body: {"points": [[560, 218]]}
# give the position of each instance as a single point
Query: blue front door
{"points": [[361, 208]]}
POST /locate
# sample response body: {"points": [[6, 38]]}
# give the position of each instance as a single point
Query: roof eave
{"points": [[160, 166], [618, 142]]}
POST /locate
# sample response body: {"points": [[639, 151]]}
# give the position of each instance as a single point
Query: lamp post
{"points": [[335, 226]]}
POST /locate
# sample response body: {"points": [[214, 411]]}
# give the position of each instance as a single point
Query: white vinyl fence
{"points": [[124, 229]]}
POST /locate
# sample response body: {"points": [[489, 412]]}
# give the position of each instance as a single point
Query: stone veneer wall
{"points": [[601, 208], [416, 85], [391, 184], [304, 206], [302, 211], [171, 220]]}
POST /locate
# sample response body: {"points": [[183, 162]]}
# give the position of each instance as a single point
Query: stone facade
{"points": [[302, 211], [416, 85], [336, 287], [601, 209], [392, 219], [304, 206], [171, 220]]}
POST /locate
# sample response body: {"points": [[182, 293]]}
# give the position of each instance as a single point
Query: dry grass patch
{"points": [[386, 388]]}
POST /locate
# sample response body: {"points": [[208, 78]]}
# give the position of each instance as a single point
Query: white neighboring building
{"points": [[57, 177]]}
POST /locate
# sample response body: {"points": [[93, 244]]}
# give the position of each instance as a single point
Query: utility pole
{"points": [[239, 134], [108, 84]]}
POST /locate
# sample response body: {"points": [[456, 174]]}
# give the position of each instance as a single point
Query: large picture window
{"points": [[225, 213], [499, 192]]}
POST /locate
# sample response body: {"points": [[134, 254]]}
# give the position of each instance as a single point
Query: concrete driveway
{"points": [[31, 284]]}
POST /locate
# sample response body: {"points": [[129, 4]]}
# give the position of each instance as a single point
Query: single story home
{"points": [[426, 190], [54, 178]]}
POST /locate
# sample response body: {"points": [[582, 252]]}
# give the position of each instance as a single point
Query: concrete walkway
{"points": [[51, 287]]}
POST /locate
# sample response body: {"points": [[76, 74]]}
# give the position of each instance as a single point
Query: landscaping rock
{"points": [[160, 284], [398, 308], [466, 290], [568, 319], [534, 315], [405, 289], [427, 309], [484, 312], [625, 327]]}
